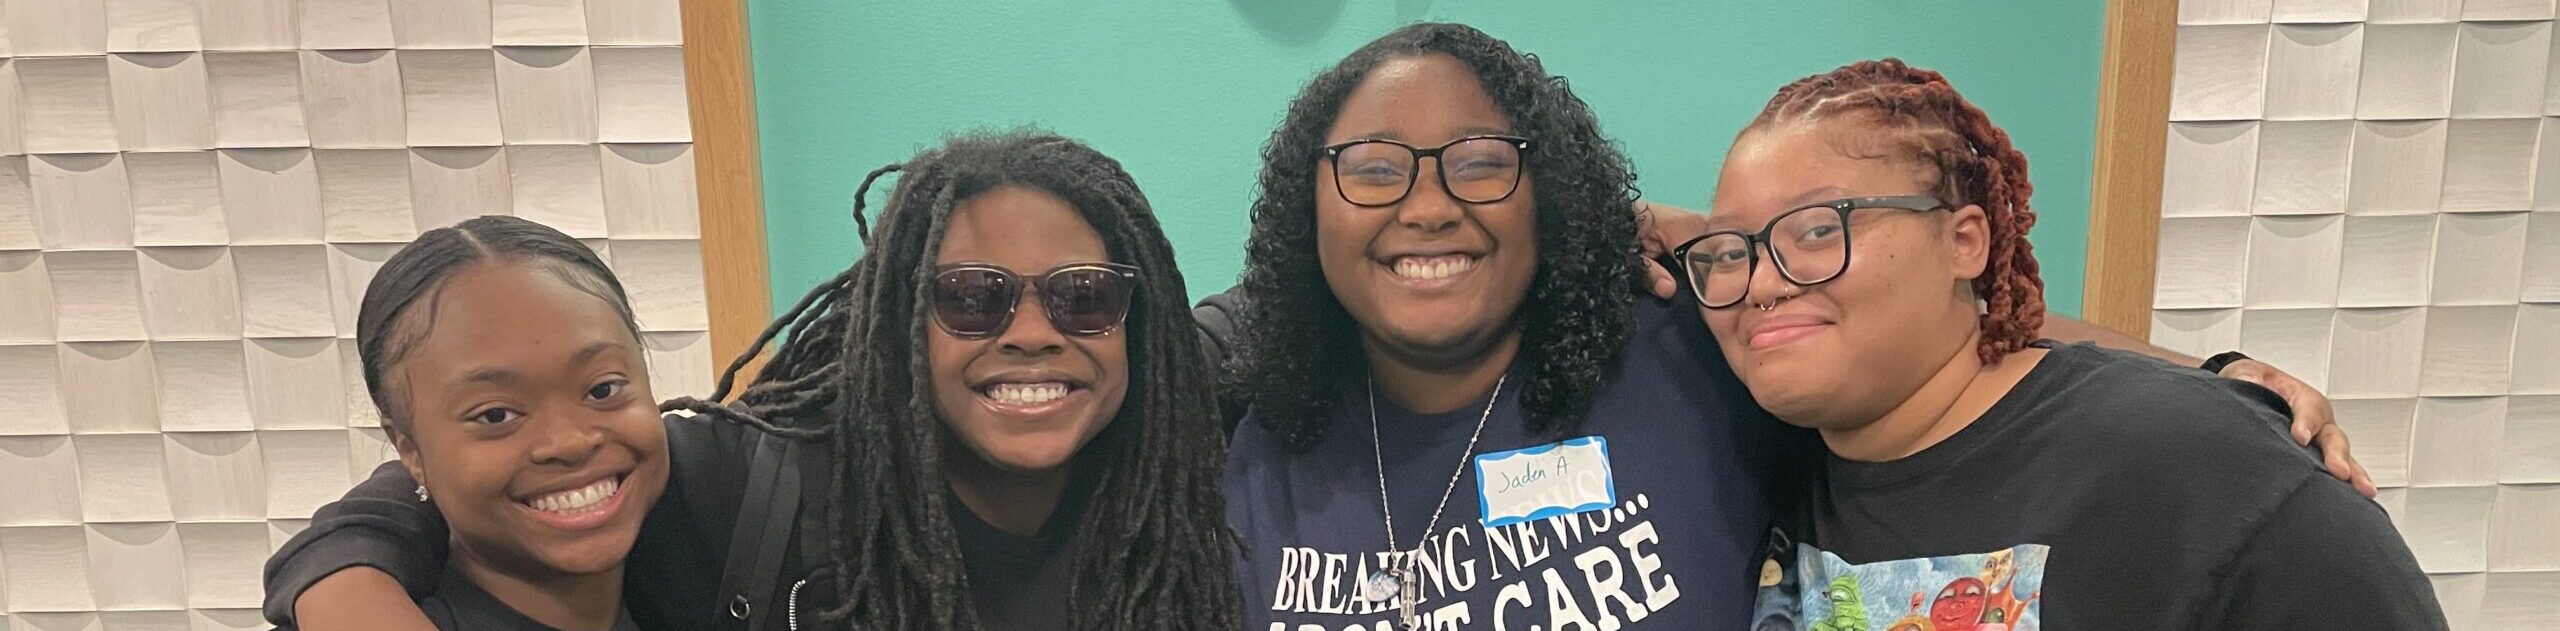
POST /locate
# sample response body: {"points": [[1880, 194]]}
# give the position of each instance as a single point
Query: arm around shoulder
{"points": [[380, 525]]}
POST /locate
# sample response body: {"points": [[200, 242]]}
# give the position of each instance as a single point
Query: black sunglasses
{"points": [[976, 300]]}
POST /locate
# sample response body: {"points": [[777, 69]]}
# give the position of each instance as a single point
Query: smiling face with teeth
{"points": [[1432, 280], [526, 413], [1027, 398]]}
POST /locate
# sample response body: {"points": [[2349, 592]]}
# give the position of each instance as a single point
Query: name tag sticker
{"points": [[1545, 481]]}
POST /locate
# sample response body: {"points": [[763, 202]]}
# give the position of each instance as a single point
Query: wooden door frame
{"points": [[2133, 135], [720, 87]]}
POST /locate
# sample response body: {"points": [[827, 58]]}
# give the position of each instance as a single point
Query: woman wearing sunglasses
{"points": [[998, 418], [1869, 277]]}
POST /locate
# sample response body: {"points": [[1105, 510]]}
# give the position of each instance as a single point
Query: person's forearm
{"points": [[2066, 329], [358, 598]]}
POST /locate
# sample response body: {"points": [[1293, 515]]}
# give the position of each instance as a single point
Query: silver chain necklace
{"points": [[1400, 575]]}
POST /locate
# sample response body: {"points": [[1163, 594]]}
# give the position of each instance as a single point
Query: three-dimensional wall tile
{"points": [[2376, 353], [2202, 262], [2386, 261], [44, 482], [296, 384], [452, 184], [190, 293], [353, 99], [2382, 430], [82, 201], [28, 316], [2500, 68], [547, 95], [203, 386], [177, 199], [649, 192], [247, 24], [640, 95], [162, 101], [561, 186], [30, 378], [2456, 442], [123, 478], [110, 387], [153, 26], [2407, 71], [97, 295], [48, 566], [2468, 350], [2398, 168], [665, 281], [538, 22], [217, 477], [222, 564], [346, 24], [270, 196], [441, 24], [66, 104], [451, 96], [364, 195], [257, 99], [284, 291]]}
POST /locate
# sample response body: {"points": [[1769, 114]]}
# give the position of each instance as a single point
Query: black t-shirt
{"points": [[2105, 491], [460, 605], [1016, 582]]}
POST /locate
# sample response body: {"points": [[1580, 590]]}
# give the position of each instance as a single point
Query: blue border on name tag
{"points": [[1606, 469]]}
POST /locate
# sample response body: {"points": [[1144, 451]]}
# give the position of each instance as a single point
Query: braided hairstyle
{"points": [[1577, 313], [1150, 550], [1922, 120], [414, 276]]}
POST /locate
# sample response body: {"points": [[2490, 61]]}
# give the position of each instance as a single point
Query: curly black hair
{"points": [[1150, 550], [1576, 315]]}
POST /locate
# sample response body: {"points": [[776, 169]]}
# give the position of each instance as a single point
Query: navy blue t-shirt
{"points": [[1690, 457]]}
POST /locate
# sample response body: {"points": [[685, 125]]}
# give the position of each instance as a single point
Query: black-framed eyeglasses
{"points": [[1479, 169], [976, 300], [1809, 245]]}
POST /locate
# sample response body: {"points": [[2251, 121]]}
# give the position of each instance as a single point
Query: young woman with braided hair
{"points": [[1000, 417], [1868, 276]]}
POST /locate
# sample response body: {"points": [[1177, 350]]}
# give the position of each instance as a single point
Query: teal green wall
{"points": [[1184, 92]]}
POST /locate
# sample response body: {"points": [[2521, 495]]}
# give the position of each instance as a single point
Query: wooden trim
{"points": [[720, 84], [2133, 135]]}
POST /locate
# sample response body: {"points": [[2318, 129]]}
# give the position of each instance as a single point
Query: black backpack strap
{"points": [[762, 537]]}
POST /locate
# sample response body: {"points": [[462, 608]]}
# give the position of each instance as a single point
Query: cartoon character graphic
{"points": [[1998, 567], [1999, 572], [1992, 591], [2004, 609], [1848, 609], [1912, 621], [1958, 606]]}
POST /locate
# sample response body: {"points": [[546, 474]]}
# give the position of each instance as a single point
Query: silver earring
{"points": [[1981, 307], [422, 492]]}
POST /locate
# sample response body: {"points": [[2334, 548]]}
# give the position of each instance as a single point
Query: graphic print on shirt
{"points": [[2001, 590], [1616, 578]]}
